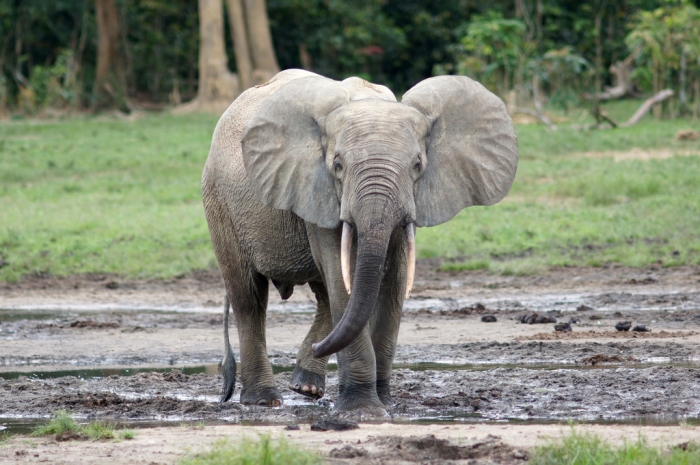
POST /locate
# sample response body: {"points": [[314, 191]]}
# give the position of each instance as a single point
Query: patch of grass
{"points": [[62, 422], [93, 196], [264, 451], [471, 265], [586, 449], [126, 434], [98, 431]]}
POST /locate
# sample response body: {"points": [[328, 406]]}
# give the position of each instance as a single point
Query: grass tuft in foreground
{"points": [[62, 422], [586, 449], [266, 451]]}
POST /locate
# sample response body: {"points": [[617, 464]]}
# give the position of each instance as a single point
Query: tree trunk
{"points": [[264, 60], [110, 86], [681, 92], [598, 55], [305, 58], [696, 107], [218, 87], [239, 34]]}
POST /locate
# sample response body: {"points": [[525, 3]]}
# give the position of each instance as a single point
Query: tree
{"points": [[252, 42], [218, 87], [110, 83]]}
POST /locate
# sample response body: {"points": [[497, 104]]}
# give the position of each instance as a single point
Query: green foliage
{"points": [[264, 451], [586, 449], [62, 422]]}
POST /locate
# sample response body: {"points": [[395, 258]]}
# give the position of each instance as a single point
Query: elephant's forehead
{"points": [[373, 112]]}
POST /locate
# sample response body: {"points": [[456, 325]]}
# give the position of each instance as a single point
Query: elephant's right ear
{"points": [[283, 153]]}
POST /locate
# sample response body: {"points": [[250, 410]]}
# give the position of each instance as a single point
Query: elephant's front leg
{"points": [[357, 371], [309, 377], [384, 325]]}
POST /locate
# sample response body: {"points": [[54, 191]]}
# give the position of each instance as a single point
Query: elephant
{"points": [[318, 181]]}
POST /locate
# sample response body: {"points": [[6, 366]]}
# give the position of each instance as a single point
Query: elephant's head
{"points": [[348, 152]]}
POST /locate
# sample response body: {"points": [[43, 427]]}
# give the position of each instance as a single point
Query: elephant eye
{"points": [[337, 167], [417, 166]]}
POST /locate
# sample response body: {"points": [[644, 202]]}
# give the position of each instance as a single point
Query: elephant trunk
{"points": [[372, 245]]}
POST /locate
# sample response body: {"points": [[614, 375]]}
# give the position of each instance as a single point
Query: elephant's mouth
{"points": [[346, 245]]}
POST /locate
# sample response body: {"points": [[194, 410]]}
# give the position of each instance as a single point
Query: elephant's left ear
{"points": [[472, 151]]}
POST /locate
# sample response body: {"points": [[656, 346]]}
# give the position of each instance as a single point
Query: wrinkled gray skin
{"points": [[294, 159]]}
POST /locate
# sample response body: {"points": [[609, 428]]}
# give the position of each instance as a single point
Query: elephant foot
{"points": [[227, 369], [263, 397], [308, 383], [359, 397], [383, 392]]}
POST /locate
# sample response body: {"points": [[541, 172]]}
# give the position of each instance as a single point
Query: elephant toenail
{"points": [[276, 403], [296, 386], [262, 402], [313, 389], [320, 392], [306, 388]]}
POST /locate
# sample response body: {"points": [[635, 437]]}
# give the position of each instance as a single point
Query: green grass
{"points": [[87, 195], [126, 434], [63, 422], [96, 196], [585, 449], [264, 451]]}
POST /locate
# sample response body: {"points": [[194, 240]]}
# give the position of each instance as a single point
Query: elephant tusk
{"points": [[411, 259], [345, 245]]}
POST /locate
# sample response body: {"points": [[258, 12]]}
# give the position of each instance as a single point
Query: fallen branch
{"points": [[646, 106], [536, 114], [603, 121]]}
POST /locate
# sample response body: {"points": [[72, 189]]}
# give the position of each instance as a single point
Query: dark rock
{"points": [[292, 428], [564, 327], [334, 424], [574, 320], [623, 326], [542, 319], [552, 319], [112, 285], [641, 329], [489, 319], [584, 308]]}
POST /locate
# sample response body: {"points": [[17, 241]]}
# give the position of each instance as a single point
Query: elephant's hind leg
{"points": [[248, 295], [309, 377]]}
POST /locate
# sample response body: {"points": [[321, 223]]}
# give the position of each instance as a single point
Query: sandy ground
{"points": [[369, 444], [460, 377]]}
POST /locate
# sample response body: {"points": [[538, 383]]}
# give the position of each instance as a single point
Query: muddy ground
{"points": [[452, 369]]}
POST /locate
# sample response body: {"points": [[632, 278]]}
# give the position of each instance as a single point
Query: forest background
{"points": [[98, 176], [546, 51]]}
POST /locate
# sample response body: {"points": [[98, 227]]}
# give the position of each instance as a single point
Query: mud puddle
{"points": [[596, 363], [660, 394]]}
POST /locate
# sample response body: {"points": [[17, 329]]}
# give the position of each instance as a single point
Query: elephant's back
{"points": [[273, 240]]}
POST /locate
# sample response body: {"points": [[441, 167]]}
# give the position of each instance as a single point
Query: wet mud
{"points": [[451, 365]]}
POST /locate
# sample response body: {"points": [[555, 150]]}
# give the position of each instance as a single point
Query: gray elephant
{"points": [[311, 180]]}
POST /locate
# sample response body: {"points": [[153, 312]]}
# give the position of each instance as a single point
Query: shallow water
{"points": [[564, 302], [332, 367]]}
